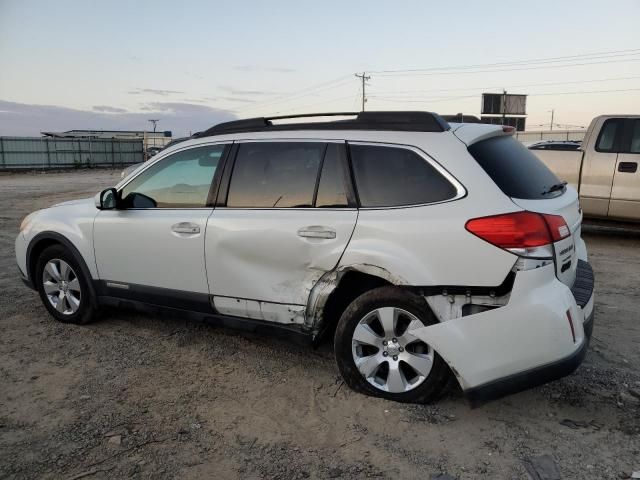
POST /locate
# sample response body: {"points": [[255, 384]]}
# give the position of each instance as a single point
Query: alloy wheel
{"points": [[61, 286], [387, 355]]}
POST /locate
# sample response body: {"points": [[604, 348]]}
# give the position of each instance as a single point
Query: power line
{"points": [[592, 91], [356, 98], [611, 53], [408, 92], [538, 67], [440, 99], [301, 93], [566, 61], [322, 102]]}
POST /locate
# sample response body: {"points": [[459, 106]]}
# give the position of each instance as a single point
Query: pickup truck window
{"points": [[608, 140], [635, 137], [514, 169]]}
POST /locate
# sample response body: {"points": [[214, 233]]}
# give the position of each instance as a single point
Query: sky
{"points": [[71, 64]]}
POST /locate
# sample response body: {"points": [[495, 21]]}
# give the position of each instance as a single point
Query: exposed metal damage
{"points": [[447, 307], [258, 310], [326, 285]]}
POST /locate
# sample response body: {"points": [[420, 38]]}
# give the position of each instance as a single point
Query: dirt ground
{"points": [[159, 397]]}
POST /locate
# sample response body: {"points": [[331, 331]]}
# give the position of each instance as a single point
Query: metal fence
{"points": [[46, 152], [529, 137]]}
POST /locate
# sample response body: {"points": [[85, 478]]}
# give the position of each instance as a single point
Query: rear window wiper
{"points": [[555, 188]]}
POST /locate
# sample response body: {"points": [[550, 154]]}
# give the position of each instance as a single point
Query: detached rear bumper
{"points": [[524, 344], [531, 378]]}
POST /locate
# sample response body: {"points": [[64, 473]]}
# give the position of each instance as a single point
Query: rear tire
{"points": [[64, 289], [381, 358]]}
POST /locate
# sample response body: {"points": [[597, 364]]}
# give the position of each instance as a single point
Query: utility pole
{"points": [[364, 79], [504, 106], [552, 111], [155, 122]]}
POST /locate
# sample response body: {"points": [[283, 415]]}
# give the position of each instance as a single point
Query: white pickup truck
{"points": [[604, 169]]}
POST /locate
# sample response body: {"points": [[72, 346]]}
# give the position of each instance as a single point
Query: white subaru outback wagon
{"points": [[429, 250]]}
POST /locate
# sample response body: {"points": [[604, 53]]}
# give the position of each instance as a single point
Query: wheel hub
{"points": [[392, 349]]}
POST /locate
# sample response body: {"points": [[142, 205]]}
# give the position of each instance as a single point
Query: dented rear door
{"points": [[286, 221]]}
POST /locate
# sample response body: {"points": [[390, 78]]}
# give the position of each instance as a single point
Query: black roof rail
{"points": [[387, 120], [462, 118]]}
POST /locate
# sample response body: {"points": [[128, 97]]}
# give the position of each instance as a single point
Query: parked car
{"points": [[604, 169], [151, 151], [427, 250], [132, 168], [557, 145]]}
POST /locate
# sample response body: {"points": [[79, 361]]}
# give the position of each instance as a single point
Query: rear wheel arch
{"points": [[334, 292]]}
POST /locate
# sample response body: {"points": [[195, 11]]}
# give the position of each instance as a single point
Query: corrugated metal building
{"points": [[149, 139], [46, 152]]}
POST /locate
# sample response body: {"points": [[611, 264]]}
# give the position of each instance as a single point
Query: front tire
{"points": [[377, 355], [64, 289]]}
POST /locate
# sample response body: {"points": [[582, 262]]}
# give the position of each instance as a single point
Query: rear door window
{"points": [[514, 169], [275, 174], [394, 176]]}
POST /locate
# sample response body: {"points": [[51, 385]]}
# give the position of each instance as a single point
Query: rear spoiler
{"points": [[470, 133]]}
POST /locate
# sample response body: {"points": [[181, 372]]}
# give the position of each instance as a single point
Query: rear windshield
{"points": [[516, 171]]}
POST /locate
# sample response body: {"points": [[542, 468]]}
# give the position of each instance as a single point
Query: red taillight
{"points": [[557, 226], [519, 229], [508, 129]]}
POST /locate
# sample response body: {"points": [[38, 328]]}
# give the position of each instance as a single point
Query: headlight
{"points": [[27, 220]]}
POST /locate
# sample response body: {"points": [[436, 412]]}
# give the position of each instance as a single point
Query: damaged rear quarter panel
{"points": [[429, 245]]}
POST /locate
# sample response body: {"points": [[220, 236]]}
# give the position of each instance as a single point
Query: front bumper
{"points": [[26, 280], [522, 344], [21, 260]]}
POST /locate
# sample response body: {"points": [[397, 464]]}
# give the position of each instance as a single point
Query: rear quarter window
{"points": [[395, 176], [514, 169]]}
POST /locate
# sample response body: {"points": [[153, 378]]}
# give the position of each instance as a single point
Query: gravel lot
{"points": [[144, 396]]}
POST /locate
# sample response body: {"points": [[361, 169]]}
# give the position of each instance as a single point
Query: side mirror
{"points": [[138, 200], [106, 199]]}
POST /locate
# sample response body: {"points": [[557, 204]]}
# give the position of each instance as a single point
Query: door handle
{"points": [[186, 227], [628, 167], [315, 231]]}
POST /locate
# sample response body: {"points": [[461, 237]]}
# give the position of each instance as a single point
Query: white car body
{"points": [[252, 263]]}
